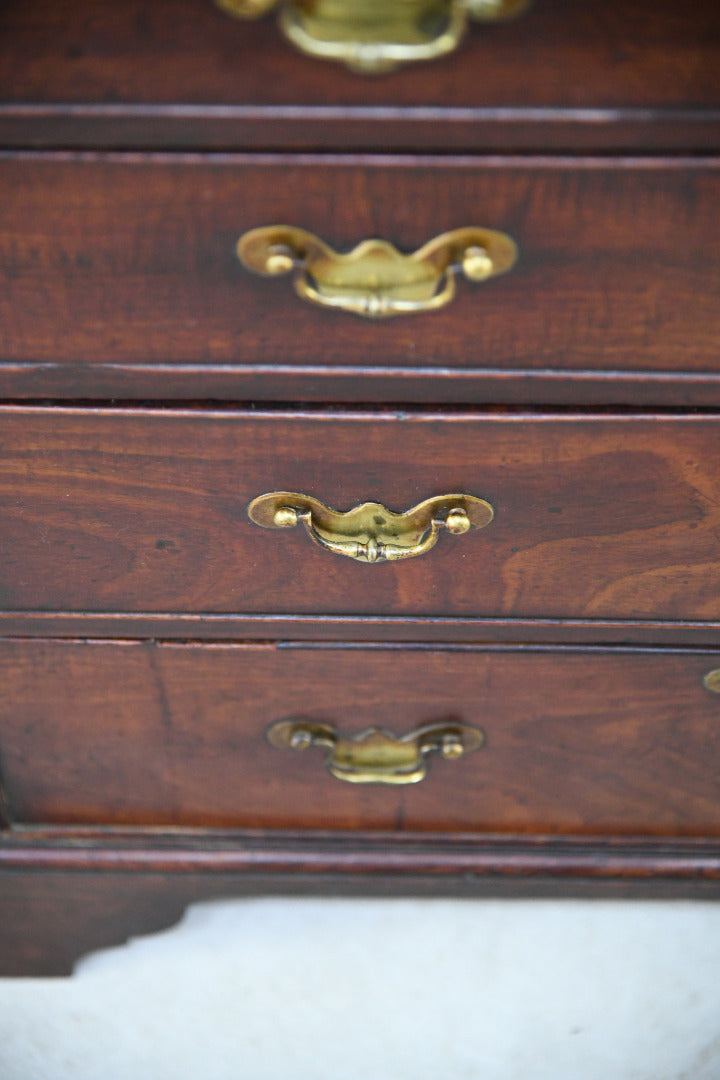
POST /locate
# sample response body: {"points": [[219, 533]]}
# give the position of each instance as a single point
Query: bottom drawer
{"points": [[599, 741]]}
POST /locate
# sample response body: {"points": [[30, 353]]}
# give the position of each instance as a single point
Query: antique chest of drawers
{"points": [[442, 513]]}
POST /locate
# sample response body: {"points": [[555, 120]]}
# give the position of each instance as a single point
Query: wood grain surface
{"points": [[135, 776], [117, 263], [595, 742], [604, 73], [601, 517]]}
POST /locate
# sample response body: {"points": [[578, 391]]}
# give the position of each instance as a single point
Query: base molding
{"points": [[67, 892]]}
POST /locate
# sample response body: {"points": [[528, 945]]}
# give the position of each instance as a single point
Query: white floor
{"points": [[384, 990]]}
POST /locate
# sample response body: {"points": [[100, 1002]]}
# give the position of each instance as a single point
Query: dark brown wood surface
{"points": [[604, 73], [121, 279], [600, 774], [64, 893], [596, 742], [601, 517], [359, 628]]}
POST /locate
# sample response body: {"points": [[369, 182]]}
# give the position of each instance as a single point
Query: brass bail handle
{"points": [[376, 36], [376, 756], [371, 533], [376, 280]]}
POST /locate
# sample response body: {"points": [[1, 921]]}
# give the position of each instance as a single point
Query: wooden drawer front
{"points": [[145, 511], [576, 742], [101, 73], [121, 280]]}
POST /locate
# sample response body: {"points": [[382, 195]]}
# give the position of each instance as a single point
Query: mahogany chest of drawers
{"points": [[511, 685]]}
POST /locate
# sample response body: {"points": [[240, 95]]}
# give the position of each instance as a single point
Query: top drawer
{"points": [[603, 74]]}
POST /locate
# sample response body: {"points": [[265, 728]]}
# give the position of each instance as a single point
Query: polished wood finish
{"points": [[135, 775], [118, 262], [603, 73], [593, 742], [145, 511], [64, 893]]}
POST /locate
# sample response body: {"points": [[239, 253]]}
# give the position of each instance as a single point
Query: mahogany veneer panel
{"points": [[600, 517], [597, 742], [117, 264], [179, 72]]}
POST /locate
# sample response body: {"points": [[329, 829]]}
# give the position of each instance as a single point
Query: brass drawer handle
{"points": [[371, 533], [376, 756], [375, 279], [375, 36], [712, 681]]}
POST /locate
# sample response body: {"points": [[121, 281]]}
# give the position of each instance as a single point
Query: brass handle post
{"points": [[376, 756], [376, 280], [370, 533], [375, 36]]}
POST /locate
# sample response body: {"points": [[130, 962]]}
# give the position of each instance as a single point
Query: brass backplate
{"points": [[376, 280], [712, 681], [370, 532], [375, 36], [376, 756]]}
